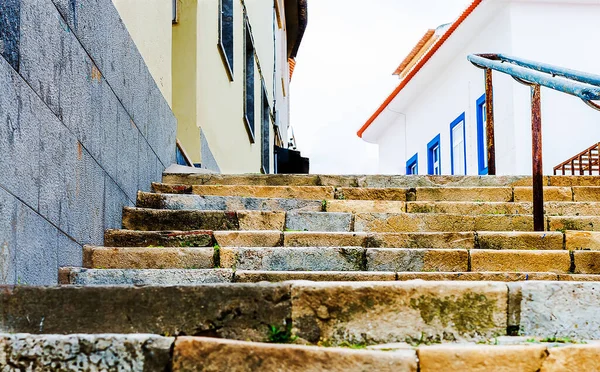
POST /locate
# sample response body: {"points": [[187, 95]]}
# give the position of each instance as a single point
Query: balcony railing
{"points": [[535, 75]]}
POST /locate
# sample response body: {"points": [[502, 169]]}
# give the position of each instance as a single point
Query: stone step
{"points": [[575, 240], [143, 277], [134, 238], [447, 193], [408, 260], [343, 180], [438, 222], [197, 202], [224, 203], [294, 259], [481, 208], [156, 353], [85, 352], [250, 276], [281, 192], [149, 258], [188, 220], [317, 312], [170, 277], [372, 180], [227, 355], [163, 219]]}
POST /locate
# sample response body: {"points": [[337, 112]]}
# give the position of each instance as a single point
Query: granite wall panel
{"points": [[83, 127]]}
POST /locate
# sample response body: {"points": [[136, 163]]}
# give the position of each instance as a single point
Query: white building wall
{"points": [[559, 34], [547, 32], [392, 148], [454, 91]]}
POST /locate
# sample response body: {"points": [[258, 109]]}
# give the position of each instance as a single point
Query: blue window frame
{"points": [[458, 146], [434, 160], [225, 43], [482, 136], [412, 165]]}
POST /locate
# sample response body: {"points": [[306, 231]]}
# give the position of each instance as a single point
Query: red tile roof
{"points": [[420, 64], [413, 53], [292, 64]]}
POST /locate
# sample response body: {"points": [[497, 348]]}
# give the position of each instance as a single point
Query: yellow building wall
{"points": [[149, 24], [220, 108], [185, 72]]}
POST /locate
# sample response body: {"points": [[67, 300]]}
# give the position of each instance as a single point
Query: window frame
{"points": [[458, 120], [227, 51], [481, 137], [265, 124], [413, 161], [249, 80], [430, 146]]}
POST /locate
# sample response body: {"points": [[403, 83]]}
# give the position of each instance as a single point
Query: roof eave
{"points": [[296, 18]]}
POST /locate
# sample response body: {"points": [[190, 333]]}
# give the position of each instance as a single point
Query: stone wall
{"points": [[83, 126]]}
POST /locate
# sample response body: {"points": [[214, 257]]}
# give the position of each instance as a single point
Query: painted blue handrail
{"points": [[583, 85], [582, 77]]}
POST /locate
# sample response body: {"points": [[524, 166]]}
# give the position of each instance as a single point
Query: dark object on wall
{"points": [[290, 161]]}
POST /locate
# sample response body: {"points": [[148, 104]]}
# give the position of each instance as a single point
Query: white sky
{"points": [[344, 72]]}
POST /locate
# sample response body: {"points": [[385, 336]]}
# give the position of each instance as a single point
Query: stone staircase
{"points": [[308, 272]]}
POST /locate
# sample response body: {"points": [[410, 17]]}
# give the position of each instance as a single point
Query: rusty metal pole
{"points": [[489, 117], [536, 153]]}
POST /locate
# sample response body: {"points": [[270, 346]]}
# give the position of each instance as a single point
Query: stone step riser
{"points": [[149, 258], [570, 240], [188, 220], [344, 259], [185, 277], [374, 180], [457, 194], [159, 220], [223, 203], [155, 353], [370, 312]]}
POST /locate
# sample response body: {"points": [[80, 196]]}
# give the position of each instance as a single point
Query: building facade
{"points": [[225, 67], [434, 122]]}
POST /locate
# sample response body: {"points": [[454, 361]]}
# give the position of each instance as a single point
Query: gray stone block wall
{"points": [[83, 126]]}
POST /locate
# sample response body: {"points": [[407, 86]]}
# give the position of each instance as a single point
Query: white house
{"points": [[434, 121]]}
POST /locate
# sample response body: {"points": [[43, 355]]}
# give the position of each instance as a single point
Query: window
{"points": [[249, 82], [412, 165], [174, 7], [482, 136], [265, 132], [458, 146], [226, 34], [434, 162]]}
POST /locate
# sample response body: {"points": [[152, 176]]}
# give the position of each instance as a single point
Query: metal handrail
{"points": [[535, 75]]}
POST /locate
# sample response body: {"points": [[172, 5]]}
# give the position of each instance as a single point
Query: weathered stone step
{"points": [[159, 219], [155, 353], [294, 259], [437, 222], [281, 192], [479, 208], [143, 277], [148, 258], [326, 312], [135, 238], [170, 277], [83, 352], [250, 276], [163, 219], [373, 180], [408, 260], [227, 355], [224, 203], [575, 240]]}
